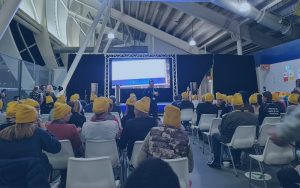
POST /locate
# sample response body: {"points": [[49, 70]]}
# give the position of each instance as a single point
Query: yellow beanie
{"points": [[1, 104], [185, 96], [62, 99], [283, 94], [253, 99], [49, 99], [60, 110], [75, 97], [275, 96], [203, 98], [31, 102], [237, 99], [143, 105], [293, 98], [11, 109], [132, 95], [110, 101], [92, 97], [131, 101], [172, 116], [229, 99], [25, 114], [219, 96], [100, 105], [195, 97], [208, 97]]}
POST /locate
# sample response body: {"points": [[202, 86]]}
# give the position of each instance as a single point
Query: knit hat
{"points": [[110, 101], [11, 109], [25, 114], [60, 110], [49, 99], [219, 96], [143, 105], [293, 98], [75, 97], [195, 97], [131, 101], [93, 96], [132, 95], [275, 96], [62, 99], [172, 116], [31, 102], [203, 98], [100, 105], [237, 99], [1, 104], [229, 99], [253, 99], [283, 94], [185, 96], [208, 97]]}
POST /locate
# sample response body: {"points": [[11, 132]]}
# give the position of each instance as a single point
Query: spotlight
{"points": [[192, 42], [111, 35], [244, 7]]}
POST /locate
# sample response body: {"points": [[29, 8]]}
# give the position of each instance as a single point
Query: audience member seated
{"points": [[228, 106], [247, 106], [48, 106], [206, 107], [177, 101], [62, 99], [109, 115], [11, 110], [137, 129], [64, 131], [99, 128], [129, 113], [229, 123], [221, 101], [289, 177], [77, 118], [153, 173], [276, 101], [75, 97], [115, 107], [169, 141], [32, 103], [23, 173], [186, 103], [268, 108], [253, 102], [89, 107], [25, 139], [292, 102]]}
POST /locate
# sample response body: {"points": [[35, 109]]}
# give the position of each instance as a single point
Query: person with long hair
{"points": [[129, 114], [77, 118]]}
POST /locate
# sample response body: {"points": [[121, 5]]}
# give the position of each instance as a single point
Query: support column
{"points": [[239, 46], [7, 12], [83, 47]]}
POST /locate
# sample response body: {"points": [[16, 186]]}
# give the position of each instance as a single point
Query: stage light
{"points": [[111, 35], [192, 42], [244, 7]]}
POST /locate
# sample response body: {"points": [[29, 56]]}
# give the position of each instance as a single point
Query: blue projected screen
{"points": [[136, 73]]}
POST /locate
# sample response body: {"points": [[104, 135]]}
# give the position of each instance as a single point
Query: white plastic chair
{"points": [[187, 114], [206, 121], [271, 120], [264, 134], [88, 116], [135, 152], [90, 173], [60, 160], [101, 148], [273, 155], [243, 138], [214, 128], [181, 169]]}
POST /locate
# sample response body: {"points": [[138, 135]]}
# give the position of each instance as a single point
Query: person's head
{"points": [[113, 98], [253, 99], [237, 101], [208, 98], [229, 99], [75, 97], [32, 103], [185, 96], [26, 117], [293, 99], [142, 107], [151, 83], [153, 173], [62, 99], [16, 98], [267, 96], [49, 88], [76, 106], [111, 104], [259, 99], [130, 102], [177, 98], [275, 96], [11, 111], [100, 106], [36, 88], [60, 88], [221, 98], [172, 117], [61, 112], [43, 87]]}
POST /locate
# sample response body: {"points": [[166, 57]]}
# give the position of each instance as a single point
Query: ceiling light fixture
{"points": [[111, 35], [192, 42], [244, 6]]}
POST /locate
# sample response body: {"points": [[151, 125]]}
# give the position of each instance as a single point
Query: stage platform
{"points": [[160, 105]]}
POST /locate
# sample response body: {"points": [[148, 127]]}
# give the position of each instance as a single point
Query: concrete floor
{"points": [[206, 177]]}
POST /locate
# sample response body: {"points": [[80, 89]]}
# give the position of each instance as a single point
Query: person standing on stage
{"points": [[152, 93]]}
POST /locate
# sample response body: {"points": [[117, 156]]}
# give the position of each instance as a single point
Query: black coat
{"points": [[77, 119]]}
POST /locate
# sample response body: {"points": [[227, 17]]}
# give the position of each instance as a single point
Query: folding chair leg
{"points": [[209, 144], [250, 173], [203, 143], [235, 171], [263, 174]]}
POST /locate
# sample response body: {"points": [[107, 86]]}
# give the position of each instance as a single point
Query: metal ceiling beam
{"points": [[164, 18], [156, 10], [176, 18], [221, 21], [146, 11], [180, 27], [222, 45], [188, 30], [110, 40], [213, 39], [7, 12], [226, 51]]}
